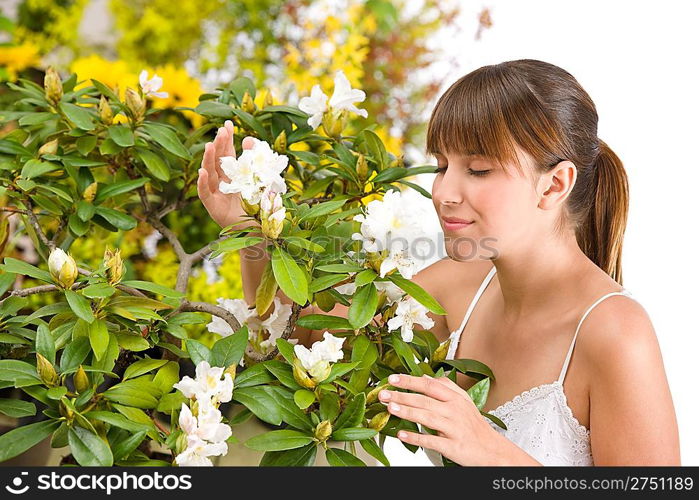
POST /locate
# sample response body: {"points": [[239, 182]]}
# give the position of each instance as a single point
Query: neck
{"points": [[532, 279]]}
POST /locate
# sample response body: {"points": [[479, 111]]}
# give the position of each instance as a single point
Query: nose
{"points": [[447, 190]]}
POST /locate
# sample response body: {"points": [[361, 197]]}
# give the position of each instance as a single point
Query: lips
{"points": [[455, 224], [454, 220]]}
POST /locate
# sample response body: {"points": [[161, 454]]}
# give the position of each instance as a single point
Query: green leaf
{"points": [[284, 439], [122, 449], [153, 287], [338, 370], [418, 293], [338, 457], [470, 367], [289, 276], [116, 218], [363, 307], [86, 144], [286, 349], [375, 451], [167, 376], [353, 434], [353, 414], [131, 394], [74, 354], [228, 351], [143, 366], [479, 392], [118, 420], [122, 135], [213, 108], [99, 337], [364, 352], [23, 268], [154, 163], [364, 277], [298, 457], [323, 282], [12, 369], [252, 376], [260, 402], [98, 290], [17, 408], [79, 115], [266, 290], [304, 398], [45, 344], [291, 414], [88, 448], [324, 322], [340, 268], [34, 168], [80, 306], [198, 351], [22, 438], [112, 190], [283, 372], [321, 209], [167, 138]]}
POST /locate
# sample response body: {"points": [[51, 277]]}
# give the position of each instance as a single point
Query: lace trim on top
{"points": [[536, 392]]}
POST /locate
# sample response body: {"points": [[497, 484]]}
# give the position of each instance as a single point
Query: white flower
{"points": [[323, 352], [187, 421], [207, 384], [399, 260], [62, 267], [315, 105], [344, 97], [254, 171], [209, 425], [275, 324], [272, 213], [392, 291], [390, 225], [198, 451], [239, 309], [151, 86], [408, 313], [150, 244]]}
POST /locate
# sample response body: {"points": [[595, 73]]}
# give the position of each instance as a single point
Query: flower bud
{"points": [[53, 87], [320, 371], [90, 192], [374, 393], [231, 370], [47, 373], [268, 98], [379, 420], [80, 380], [62, 268], [323, 431], [105, 111], [335, 121], [440, 354], [250, 208], [4, 232], [280, 142], [65, 411], [248, 105], [362, 168], [397, 163], [272, 214], [115, 266], [181, 443], [301, 376], [50, 148], [135, 104]]}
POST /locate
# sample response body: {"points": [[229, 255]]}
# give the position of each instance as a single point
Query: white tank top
{"points": [[538, 420]]}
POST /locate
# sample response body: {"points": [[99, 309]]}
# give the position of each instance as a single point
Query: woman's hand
{"points": [[225, 209], [463, 435]]}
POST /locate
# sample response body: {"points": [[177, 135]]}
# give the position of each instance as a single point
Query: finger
{"points": [[229, 149], [209, 164], [449, 383], [219, 151], [414, 400], [425, 385], [248, 142], [203, 185], [436, 443], [421, 416]]}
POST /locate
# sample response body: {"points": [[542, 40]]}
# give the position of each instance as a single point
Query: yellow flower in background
{"points": [[368, 188], [393, 144], [182, 89], [16, 58], [112, 73]]}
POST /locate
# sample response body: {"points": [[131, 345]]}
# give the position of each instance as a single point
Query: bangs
{"points": [[487, 113]]}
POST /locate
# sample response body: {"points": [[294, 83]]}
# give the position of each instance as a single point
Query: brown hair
{"points": [[543, 110]]}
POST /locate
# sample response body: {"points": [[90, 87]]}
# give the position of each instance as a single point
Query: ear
{"points": [[556, 184]]}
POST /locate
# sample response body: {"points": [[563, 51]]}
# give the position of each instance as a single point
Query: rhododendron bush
{"points": [[109, 365]]}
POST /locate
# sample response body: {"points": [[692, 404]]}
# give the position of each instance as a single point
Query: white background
{"points": [[637, 60]]}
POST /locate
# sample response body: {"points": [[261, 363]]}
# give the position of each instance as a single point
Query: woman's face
{"points": [[498, 206]]}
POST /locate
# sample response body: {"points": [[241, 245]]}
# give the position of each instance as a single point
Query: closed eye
{"points": [[475, 173]]}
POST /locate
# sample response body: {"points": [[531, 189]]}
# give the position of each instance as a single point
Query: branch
{"points": [[290, 327], [225, 315], [35, 222]]}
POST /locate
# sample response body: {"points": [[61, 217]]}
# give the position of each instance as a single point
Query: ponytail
{"points": [[602, 232]]}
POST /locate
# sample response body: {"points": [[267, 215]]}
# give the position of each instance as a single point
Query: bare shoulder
{"points": [[632, 416]]}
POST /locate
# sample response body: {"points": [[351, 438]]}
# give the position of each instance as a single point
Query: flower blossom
{"points": [[151, 86], [343, 98], [316, 360], [408, 313]]}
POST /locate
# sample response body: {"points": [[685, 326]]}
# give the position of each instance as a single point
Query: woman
{"points": [[533, 206]]}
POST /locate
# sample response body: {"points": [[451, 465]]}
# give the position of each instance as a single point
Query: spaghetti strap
{"points": [[562, 375], [456, 334]]}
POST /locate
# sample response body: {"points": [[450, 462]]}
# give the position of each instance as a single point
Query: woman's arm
{"points": [[632, 417]]}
